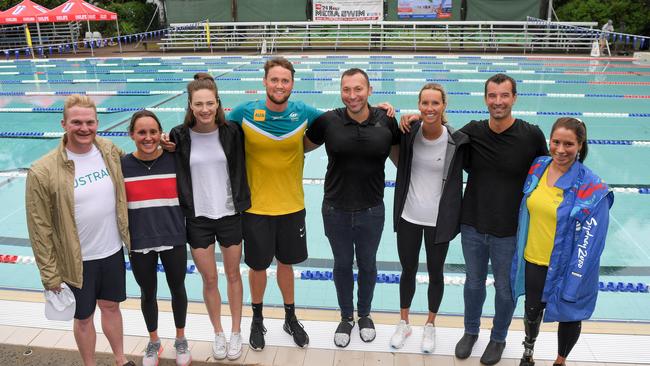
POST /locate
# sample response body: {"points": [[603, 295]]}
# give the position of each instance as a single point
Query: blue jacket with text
{"points": [[571, 286]]}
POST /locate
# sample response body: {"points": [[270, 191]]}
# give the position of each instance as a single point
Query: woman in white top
{"points": [[213, 191], [429, 182]]}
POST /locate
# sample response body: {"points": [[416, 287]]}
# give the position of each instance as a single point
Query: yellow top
{"points": [[542, 205]]}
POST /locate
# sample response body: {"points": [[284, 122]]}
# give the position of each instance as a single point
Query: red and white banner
{"points": [[348, 10]]}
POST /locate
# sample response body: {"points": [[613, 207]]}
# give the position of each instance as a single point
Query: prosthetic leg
{"points": [[532, 330]]}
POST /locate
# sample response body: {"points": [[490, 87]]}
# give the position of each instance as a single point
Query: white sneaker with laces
{"points": [[183, 356], [234, 347], [219, 346], [428, 338], [150, 358], [402, 331]]}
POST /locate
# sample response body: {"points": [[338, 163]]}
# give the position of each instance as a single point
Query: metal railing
{"points": [[380, 36]]}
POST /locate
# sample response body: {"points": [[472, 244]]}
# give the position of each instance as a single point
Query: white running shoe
{"points": [[183, 356], [234, 347], [219, 346], [402, 331], [151, 354], [428, 338]]}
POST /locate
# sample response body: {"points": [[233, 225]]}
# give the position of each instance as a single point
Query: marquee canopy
{"points": [[25, 12], [70, 11], [74, 10]]}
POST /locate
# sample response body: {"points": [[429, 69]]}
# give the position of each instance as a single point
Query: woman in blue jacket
{"points": [[563, 221]]}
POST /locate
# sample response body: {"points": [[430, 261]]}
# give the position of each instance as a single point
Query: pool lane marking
{"points": [[258, 79], [326, 92], [630, 237], [397, 110], [338, 70]]}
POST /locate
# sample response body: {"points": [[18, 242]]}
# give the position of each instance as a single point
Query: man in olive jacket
{"points": [[77, 222]]}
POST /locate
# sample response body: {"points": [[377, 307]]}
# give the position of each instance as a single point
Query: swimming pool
{"points": [[612, 97]]}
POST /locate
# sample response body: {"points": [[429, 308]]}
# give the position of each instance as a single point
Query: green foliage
{"points": [[133, 15], [633, 14]]}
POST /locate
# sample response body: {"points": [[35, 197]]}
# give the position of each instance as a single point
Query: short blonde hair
{"points": [[77, 100]]}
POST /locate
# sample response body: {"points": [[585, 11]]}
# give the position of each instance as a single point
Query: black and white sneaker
{"points": [[295, 328], [367, 329], [256, 339], [343, 331]]}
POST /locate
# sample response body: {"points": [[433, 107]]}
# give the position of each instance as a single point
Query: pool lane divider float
{"points": [[617, 188], [331, 79], [390, 278], [449, 111], [602, 61], [307, 92], [168, 63], [370, 71], [37, 134]]}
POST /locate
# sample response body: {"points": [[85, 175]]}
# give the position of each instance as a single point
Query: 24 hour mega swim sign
{"points": [[348, 10]]}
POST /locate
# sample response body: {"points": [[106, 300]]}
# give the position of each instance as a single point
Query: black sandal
{"points": [[344, 328]]}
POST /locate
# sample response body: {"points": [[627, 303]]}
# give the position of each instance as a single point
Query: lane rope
{"points": [[320, 275]]}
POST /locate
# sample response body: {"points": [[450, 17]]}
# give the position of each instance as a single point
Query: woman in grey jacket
{"points": [[429, 182]]}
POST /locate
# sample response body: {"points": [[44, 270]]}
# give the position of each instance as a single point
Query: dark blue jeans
{"points": [[350, 233], [478, 250]]}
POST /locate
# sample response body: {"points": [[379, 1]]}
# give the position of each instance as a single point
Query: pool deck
{"points": [[27, 338]]}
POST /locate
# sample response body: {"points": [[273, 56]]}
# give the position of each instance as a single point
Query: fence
{"points": [[379, 36]]}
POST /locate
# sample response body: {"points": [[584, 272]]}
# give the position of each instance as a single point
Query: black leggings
{"points": [[567, 332], [409, 241], [144, 267]]}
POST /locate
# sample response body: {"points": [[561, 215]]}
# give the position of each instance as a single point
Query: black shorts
{"points": [[203, 232], [103, 279], [283, 237]]}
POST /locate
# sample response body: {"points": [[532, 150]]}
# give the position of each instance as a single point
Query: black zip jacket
{"points": [[448, 223], [232, 140]]}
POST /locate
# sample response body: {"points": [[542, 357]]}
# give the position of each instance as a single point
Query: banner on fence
{"points": [[348, 10], [424, 9]]}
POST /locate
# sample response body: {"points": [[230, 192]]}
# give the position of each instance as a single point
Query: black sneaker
{"points": [[295, 328], [256, 339]]}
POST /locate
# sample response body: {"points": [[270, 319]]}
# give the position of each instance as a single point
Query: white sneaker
{"points": [[234, 347], [428, 338], [219, 346], [402, 331], [151, 354], [183, 356]]}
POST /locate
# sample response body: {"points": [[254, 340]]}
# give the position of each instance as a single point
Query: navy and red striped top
{"points": [[155, 217]]}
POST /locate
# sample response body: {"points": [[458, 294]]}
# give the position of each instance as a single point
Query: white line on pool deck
{"points": [[590, 348]]}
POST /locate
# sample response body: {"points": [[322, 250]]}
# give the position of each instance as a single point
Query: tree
{"points": [[629, 16]]}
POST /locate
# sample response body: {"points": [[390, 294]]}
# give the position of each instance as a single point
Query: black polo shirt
{"points": [[356, 156]]}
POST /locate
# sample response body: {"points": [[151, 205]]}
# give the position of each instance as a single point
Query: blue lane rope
{"points": [[392, 278], [397, 110], [306, 92]]}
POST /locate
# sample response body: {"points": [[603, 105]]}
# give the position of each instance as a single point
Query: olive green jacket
{"points": [[49, 197]]}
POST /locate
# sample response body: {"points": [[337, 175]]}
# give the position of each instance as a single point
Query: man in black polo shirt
{"points": [[358, 139]]}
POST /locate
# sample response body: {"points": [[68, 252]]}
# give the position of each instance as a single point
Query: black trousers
{"points": [[144, 268], [567, 332], [409, 242]]}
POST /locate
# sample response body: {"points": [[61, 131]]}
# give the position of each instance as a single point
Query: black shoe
{"points": [[492, 353], [465, 345], [256, 339], [295, 328], [367, 329], [343, 331]]}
